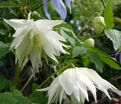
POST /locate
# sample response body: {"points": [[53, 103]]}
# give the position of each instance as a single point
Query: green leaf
{"points": [[78, 50], [85, 61], [3, 82], [107, 59], [69, 31], [7, 98], [20, 98], [39, 98], [15, 97], [111, 63], [114, 36], [4, 49], [66, 36], [95, 58], [16, 92], [108, 15]]}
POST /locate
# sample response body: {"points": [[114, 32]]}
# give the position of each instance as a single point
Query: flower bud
{"points": [[89, 42], [98, 24]]}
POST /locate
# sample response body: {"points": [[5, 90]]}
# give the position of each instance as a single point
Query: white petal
{"points": [[101, 84], [23, 50], [51, 42], [87, 82], [24, 62], [106, 92], [82, 97], [57, 94], [83, 90], [16, 23], [61, 96], [35, 57], [22, 31], [56, 35], [53, 89], [116, 91], [76, 93], [44, 89], [50, 47], [48, 23], [49, 51], [67, 81], [16, 42]]}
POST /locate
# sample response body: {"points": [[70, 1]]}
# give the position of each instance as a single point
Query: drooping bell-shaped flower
{"points": [[75, 84], [35, 39], [59, 6]]}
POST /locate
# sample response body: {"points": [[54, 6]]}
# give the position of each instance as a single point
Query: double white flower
{"points": [[74, 83], [35, 39]]}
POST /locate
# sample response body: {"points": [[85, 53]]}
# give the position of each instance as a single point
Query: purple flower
{"points": [[59, 6], [118, 56]]}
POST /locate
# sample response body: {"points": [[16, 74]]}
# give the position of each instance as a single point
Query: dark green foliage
{"points": [[78, 27]]}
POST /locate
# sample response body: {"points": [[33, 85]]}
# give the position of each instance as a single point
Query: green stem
{"points": [[94, 36], [103, 3], [86, 24], [33, 73], [17, 75], [2, 7], [25, 3], [37, 7]]}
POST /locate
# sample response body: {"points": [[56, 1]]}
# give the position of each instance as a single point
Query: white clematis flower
{"points": [[35, 39], [74, 83]]}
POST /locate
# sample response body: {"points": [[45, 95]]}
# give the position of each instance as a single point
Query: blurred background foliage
{"points": [[79, 24]]}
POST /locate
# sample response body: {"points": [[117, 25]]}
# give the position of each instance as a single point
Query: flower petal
{"points": [[51, 44], [45, 7], [83, 90], [76, 93], [101, 84], [44, 89], [60, 8], [76, 82], [68, 3], [52, 90], [67, 81], [48, 23], [61, 96], [83, 79], [15, 23], [35, 57]]}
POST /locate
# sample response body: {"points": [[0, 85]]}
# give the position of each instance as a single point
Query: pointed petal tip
{"points": [[118, 92], [5, 20], [44, 89]]}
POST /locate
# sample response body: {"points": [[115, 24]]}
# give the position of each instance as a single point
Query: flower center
{"points": [[37, 40]]}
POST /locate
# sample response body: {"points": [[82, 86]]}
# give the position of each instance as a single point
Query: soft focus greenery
{"points": [[104, 56]]}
